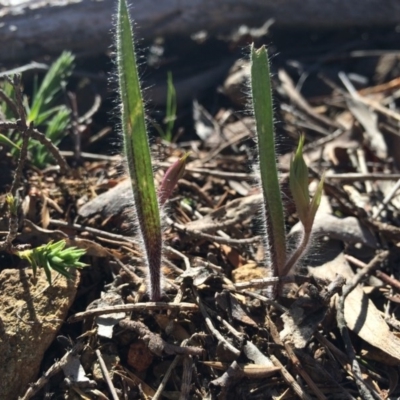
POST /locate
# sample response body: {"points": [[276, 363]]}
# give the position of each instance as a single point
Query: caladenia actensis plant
{"points": [[275, 242], [148, 201]]}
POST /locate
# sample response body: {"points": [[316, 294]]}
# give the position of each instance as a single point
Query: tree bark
{"points": [[39, 27]]}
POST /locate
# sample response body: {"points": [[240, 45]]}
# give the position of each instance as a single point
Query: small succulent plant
{"points": [[54, 257]]}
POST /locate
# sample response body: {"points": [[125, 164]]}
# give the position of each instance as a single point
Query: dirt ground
{"points": [[217, 334]]}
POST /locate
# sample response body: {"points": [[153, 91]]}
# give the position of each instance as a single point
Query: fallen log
{"points": [[38, 27]]}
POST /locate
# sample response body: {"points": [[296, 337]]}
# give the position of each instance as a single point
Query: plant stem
{"points": [[299, 252]]}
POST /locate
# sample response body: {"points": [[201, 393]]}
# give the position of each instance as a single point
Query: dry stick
{"points": [[365, 392], [274, 280], [299, 368], [211, 327], [6, 126], [163, 383], [94, 231], [387, 199], [288, 378], [266, 300], [214, 172], [53, 150], [294, 360], [10, 103], [379, 274], [356, 176], [155, 343], [232, 374], [217, 239], [54, 369], [388, 279], [133, 307], [197, 189], [41, 138], [106, 375], [23, 128], [186, 377]]}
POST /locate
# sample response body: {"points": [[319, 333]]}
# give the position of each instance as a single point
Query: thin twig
{"points": [[212, 238], [211, 327], [265, 300], [288, 378], [10, 103], [106, 375], [186, 377], [301, 371], [24, 131], [156, 344], [94, 231], [387, 199], [367, 270], [133, 307], [53, 150], [54, 369]]}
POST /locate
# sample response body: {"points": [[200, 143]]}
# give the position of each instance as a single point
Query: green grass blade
{"points": [[263, 112], [170, 108], [51, 85], [137, 148], [4, 140]]}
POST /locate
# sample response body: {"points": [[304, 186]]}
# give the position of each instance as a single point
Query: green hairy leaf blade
{"points": [[263, 112], [137, 149]]}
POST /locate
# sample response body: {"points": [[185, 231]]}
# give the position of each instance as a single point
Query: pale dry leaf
{"points": [[360, 313]]}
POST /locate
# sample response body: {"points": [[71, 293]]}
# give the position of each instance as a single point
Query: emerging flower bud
{"points": [[298, 181], [171, 178]]}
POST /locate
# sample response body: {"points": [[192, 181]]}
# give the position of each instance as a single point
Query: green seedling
{"points": [[170, 111], [147, 203], [275, 244], [137, 152], [42, 111], [54, 257], [306, 209]]}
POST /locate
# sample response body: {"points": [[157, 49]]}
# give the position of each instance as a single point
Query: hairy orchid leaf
{"points": [[263, 112], [137, 148]]}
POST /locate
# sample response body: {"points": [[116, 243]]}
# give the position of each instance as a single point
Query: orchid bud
{"points": [[171, 178], [299, 188], [298, 181]]}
